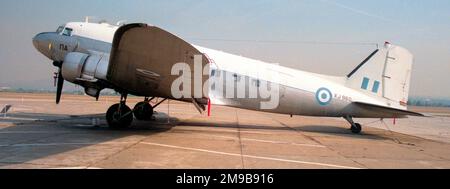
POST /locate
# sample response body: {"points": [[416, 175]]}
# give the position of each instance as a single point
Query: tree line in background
{"points": [[107, 92], [433, 102]]}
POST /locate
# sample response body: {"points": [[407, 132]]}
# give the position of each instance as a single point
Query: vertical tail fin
{"points": [[386, 73]]}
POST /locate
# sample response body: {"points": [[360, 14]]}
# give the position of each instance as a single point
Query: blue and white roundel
{"points": [[324, 96]]}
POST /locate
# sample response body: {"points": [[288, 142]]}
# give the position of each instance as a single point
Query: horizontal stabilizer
{"points": [[389, 110]]}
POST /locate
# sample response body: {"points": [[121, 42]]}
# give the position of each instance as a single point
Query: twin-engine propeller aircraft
{"points": [[139, 59]]}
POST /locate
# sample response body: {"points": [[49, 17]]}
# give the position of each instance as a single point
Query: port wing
{"points": [[142, 57]]}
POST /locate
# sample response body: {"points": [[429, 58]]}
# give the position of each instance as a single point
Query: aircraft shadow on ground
{"points": [[321, 129], [80, 130], [27, 140]]}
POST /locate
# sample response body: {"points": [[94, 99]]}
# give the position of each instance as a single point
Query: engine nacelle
{"points": [[83, 67]]}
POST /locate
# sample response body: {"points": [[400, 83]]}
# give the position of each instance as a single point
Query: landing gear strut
{"points": [[355, 127], [119, 116], [143, 110]]}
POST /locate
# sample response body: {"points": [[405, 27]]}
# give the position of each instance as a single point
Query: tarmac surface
{"points": [[36, 133]]}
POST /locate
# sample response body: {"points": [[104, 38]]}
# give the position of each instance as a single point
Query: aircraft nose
{"points": [[37, 40], [42, 42]]}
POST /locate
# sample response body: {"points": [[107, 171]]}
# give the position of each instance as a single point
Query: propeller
{"points": [[59, 83], [59, 86]]}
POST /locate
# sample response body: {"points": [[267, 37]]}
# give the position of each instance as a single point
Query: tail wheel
{"points": [[143, 111], [356, 128], [119, 116]]}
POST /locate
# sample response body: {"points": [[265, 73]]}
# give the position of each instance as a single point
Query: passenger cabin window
{"points": [[67, 32], [217, 73], [237, 77], [256, 82]]}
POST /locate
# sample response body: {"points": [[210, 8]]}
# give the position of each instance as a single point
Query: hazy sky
{"points": [[422, 26]]}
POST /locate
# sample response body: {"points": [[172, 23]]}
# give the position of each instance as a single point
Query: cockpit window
{"points": [[60, 29], [67, 32]]}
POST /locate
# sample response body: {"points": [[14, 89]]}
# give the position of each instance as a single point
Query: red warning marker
{"points": [[209, 107], [387, 44]]}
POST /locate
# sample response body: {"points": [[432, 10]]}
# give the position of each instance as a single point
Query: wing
{"points": [[142, 57]]}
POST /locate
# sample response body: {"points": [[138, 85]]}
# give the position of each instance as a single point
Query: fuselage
{"points": [[300, 92]]}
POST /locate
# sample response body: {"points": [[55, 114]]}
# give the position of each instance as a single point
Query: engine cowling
{"points": [[84, 67]]}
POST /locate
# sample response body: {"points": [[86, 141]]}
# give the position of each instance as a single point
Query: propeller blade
{"points": [[55, 78], [59, 87]]}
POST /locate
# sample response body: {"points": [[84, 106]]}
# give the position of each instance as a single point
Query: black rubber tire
{"points": [[356, 128], [119, 119], [143, 111]]}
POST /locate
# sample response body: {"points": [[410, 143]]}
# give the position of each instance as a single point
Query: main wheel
{"points": [[119, 119], [143, 111], [356, 128]]}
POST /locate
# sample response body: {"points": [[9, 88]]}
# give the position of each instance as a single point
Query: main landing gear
{"points": [[355, 127], [143, 110], [120, 116]]}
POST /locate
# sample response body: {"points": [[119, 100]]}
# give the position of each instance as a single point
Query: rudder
{"points": [[386, 73]]}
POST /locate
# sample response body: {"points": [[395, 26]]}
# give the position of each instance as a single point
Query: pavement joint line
{"points": [[297, 131], [239, 138], [267, 141], [405, 145], [411, 148], [120, 151], [112, 143], [225, 130], [250, 156], [318, 142]]}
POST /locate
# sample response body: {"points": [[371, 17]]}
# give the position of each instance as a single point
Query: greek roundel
{"points": [[324, 96]]}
